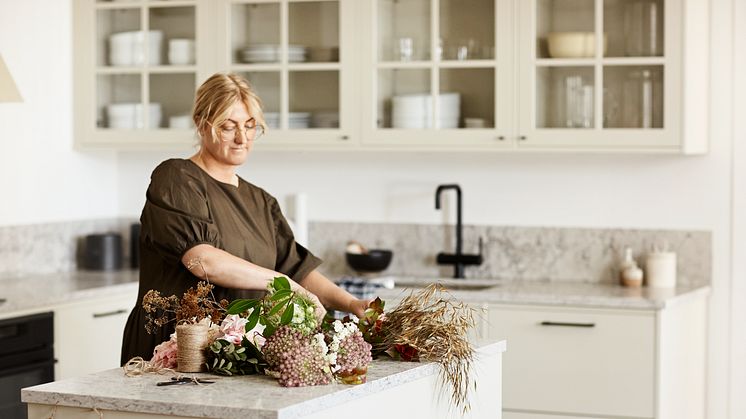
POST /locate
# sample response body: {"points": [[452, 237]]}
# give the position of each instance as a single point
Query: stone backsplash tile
{"points": [[514, 253], [510, 253], [53, 247]]}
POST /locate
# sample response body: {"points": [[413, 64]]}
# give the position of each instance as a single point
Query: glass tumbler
{"points": [[643, 28], [639, 92]]}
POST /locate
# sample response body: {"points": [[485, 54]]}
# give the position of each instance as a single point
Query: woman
{"points": [[198, 209]]}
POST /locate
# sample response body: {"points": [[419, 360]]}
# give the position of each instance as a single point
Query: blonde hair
{"points": [[217, 95]]}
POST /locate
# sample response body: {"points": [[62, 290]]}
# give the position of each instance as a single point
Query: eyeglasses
{"points": [[251, 131]]}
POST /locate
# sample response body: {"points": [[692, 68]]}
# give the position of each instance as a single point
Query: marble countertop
{"points": [[33, 293], [229, 397], [593, 295]]}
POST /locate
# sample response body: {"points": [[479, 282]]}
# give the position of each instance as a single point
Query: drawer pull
{"points": [[109, 313], [567, 324]]}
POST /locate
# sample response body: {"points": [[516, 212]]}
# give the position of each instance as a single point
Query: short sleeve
{"points": [[176, 216], [293, 259]]}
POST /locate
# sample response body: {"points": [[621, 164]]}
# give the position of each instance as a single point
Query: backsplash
{"points": [[510, 253], [513, 253], [53, 247]]}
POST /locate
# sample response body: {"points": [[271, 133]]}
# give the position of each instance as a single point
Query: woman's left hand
{"points": [[358, 307]]}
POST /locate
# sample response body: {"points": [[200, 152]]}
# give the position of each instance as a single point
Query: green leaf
{"points": [[281, 294], [253, 319], [276, 309], [239, 306], [281, 283], [269, 330], [287, 315]]}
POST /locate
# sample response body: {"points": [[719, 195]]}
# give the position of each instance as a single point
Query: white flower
{"points": [[299, 315]]}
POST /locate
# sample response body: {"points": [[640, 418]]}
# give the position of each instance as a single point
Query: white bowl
{"points": [[181, 51], [128, 48], [180, 122], [131, 116], [573, 44]]}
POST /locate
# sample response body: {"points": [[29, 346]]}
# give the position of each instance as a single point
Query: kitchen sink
{"points": [[448, 283]]}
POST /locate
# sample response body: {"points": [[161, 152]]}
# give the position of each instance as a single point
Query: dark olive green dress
{"points": [[186, 207]]}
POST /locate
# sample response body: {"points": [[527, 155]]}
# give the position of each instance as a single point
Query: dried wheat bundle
{"points": [[436, 325]]}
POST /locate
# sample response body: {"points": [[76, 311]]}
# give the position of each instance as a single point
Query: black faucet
{"points": [[458, 259]]}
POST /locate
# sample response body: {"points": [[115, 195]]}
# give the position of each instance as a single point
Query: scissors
{"points": [[184, 380]]}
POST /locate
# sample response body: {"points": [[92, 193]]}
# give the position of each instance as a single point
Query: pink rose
{"points": [[164, 355], [233, 324]]}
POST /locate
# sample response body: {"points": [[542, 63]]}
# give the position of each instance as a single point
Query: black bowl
{"points": [[376, 260]]}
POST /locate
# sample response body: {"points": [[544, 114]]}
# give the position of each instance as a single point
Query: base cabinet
{"points": [[88, 334], [601, 363]]}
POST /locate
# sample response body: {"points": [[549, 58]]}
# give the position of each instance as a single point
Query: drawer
{"points": [[527, 415], [577, 361]]}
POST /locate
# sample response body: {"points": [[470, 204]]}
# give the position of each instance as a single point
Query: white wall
{"points": [[42, 178], [738, 278]]}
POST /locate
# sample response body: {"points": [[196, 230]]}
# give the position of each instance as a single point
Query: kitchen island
{"points": [[394, 389]]}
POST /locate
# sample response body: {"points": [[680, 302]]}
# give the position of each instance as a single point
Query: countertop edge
{"points": [[200, 410]]}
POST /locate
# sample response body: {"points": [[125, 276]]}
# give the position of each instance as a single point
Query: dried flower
{"points": [[434, 327], [195, 305]]}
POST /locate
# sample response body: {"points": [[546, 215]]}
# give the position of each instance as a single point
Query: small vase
{"points": [[191, 342], [356, 376]]}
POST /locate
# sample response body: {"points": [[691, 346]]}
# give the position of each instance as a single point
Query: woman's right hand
{"points": [[320, 310]]}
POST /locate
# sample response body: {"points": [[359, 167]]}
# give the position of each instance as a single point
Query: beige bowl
{"points": [[573, 44]]}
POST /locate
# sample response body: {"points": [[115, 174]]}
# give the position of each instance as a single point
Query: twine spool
{"points": [[192, 340]]}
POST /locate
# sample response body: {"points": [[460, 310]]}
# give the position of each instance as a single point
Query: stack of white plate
{"points": [[325, 119], [416, 111], [271, 53], [272, 119], [131, 115], [128, 48], [296, 120], [299, 120]]}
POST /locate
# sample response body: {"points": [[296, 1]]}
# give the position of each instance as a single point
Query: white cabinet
{"points": [[88, 334], [437, 74], [138, 64], [613, 74], [488, 75], [602, 363]]}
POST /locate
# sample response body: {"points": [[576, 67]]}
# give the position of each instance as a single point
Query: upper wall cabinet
{"points": [[613, 74], [138, 64], [136, 67], [438, 73], [608, 75]]}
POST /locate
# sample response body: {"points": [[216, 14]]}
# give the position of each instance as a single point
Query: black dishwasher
{"points": [[26, 359]]}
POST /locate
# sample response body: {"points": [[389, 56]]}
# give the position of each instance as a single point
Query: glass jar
{"points": [[640, 92], [643, 28]]}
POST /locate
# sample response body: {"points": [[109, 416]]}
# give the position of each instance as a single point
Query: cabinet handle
{"points": [[109, 313], [567, 324], [3, 300], [501, 137], [522, 137], [344, 137]]}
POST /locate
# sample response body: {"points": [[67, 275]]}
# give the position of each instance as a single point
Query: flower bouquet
{"points": [[278, 335]]}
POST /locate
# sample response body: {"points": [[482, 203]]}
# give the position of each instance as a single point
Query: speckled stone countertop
{"points": [[576, 294], [29, 293], [34, 293], [229, 397]]}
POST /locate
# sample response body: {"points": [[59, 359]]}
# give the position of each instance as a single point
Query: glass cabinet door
{"points": [[439, 72], [593, 73], [293, 54], [145, 65]]}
